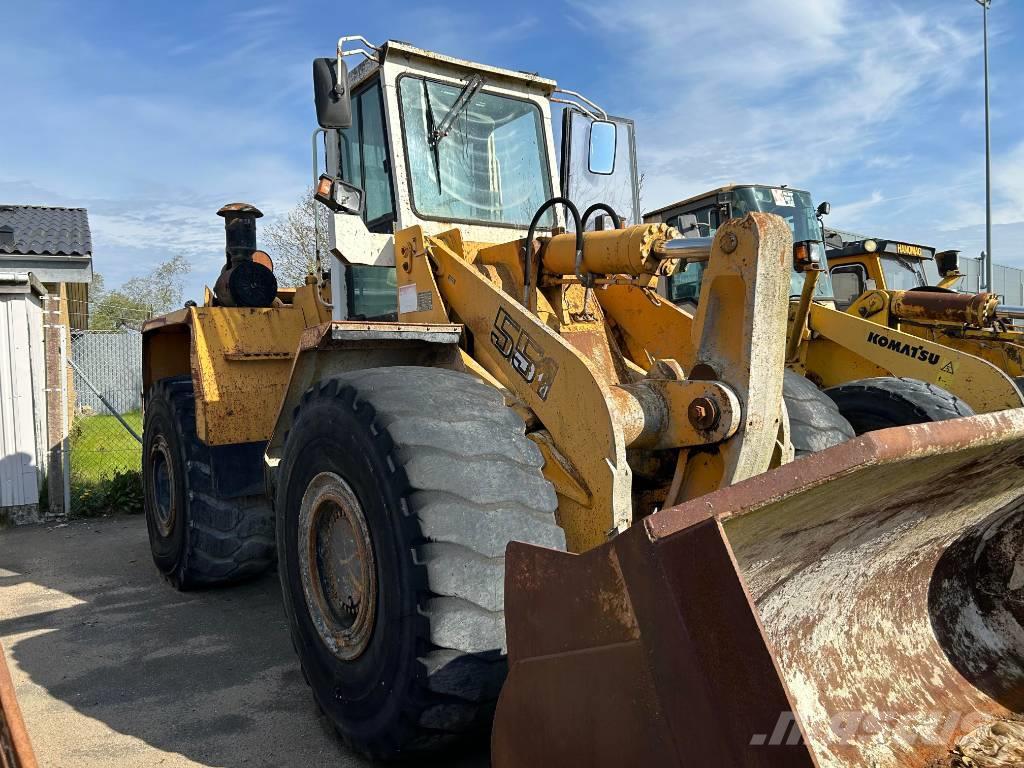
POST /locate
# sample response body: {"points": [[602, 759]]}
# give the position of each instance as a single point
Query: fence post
{"points": [[57, 417]]}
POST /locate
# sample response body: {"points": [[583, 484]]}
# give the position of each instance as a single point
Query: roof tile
{"points": [[47, 230]]}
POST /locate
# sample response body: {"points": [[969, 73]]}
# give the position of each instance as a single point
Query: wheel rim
{"points": [[162, 469], [336, 563]]}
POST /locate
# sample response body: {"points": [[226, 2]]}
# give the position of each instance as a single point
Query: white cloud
{"points": [[797, 91], [852, 213]]}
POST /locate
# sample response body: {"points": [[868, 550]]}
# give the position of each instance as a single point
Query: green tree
{"points": [[290, 241], [139, 298]]}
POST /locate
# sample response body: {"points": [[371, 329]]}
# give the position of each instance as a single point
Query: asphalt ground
{"points": [[112, 667]]}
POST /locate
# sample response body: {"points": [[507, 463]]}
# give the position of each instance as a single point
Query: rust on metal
{"points": [[939, 306], [703, 413], [850, 608], [15, 748], [638, 652]]}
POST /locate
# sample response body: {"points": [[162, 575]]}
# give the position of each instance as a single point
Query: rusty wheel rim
{"points": [[162, 468], [336, 563]]}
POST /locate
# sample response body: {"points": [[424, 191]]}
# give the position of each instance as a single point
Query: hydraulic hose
{"points": [[616, 219], [575, 213]]}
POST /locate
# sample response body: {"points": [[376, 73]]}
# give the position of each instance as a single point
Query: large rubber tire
{"points": [[440, 477], [814, 420], [196, 537], [887, 401]]}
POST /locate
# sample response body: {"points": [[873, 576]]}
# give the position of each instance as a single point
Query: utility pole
{"points": [[985, 5]]}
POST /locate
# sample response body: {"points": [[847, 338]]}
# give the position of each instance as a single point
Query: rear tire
{"points": [[398, 491], [196, 537], [887, 401], [814, 420]]}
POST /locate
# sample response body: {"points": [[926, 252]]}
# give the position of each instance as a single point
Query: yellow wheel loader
{"points": [[894, 376], [505, 474], [884, 281]]}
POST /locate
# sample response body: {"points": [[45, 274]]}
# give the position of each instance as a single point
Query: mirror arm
{"points": [[582, 98], [358, 38]]}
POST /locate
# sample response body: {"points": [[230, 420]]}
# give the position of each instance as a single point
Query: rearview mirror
{"points": [[602, 147], [947, 262], [688, 225], [330, 93]]}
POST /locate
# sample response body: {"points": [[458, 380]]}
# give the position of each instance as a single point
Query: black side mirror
{"points": [[947, 262], [688, 225], [330, 93], [824, 208]]}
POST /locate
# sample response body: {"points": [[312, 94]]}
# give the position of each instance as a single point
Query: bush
{"points": [[120, 492]]}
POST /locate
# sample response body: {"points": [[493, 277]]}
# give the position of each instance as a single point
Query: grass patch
{"points": [[106, 465]]}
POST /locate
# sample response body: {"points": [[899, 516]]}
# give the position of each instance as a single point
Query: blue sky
{"points": [[152, 115]]}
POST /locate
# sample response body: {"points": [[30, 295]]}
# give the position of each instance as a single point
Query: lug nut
{"points": [[703, 413]]}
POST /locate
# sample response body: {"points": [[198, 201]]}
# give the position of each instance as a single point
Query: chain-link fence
{"points": [[106, 421]]}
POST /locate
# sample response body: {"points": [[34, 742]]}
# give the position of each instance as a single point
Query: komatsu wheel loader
{"points": [[878, 377], [486, 444], [884, 281]]}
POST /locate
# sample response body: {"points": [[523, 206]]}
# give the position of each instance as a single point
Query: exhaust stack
{"points": [[243, 282]]}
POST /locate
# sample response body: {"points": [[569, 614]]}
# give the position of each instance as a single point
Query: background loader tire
{"points": [[887, 401], [814, 420], [427, 476], [196, 537]]}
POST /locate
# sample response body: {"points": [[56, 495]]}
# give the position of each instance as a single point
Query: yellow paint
{"points": [[240, 360], [1001, 348], [890, 352]]}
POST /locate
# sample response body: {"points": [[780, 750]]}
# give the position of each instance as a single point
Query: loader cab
{"points": [[701, 216], [438, 142], [866, 264]]}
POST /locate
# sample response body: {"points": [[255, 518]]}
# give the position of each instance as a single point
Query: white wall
{"points": [[22, 394]]}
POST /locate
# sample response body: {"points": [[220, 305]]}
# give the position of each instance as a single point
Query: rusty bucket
{"points": [[15, 749], [858, 607]]}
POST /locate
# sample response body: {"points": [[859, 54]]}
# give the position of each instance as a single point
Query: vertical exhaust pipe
{"points": [[242, 281]]}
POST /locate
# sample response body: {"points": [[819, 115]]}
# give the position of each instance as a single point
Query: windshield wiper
{"points": [[431, 130], [435, 131], [474, 84]]}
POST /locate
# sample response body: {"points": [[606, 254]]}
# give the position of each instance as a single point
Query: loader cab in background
{"points": [[702, 215], [867, 264], [438, 142]]}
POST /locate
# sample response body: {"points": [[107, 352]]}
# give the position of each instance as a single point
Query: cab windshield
{"points": [[902, 274], [490, 167], [798, 211], [794, 206]]}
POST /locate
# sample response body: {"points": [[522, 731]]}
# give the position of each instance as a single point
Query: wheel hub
{"points": [[163, 486], [336, 563]]}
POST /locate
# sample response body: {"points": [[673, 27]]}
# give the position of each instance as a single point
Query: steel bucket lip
{"points": [[896, 445]]}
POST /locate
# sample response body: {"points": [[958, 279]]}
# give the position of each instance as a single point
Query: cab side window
{"points": [[364, 158], [848, 283]]}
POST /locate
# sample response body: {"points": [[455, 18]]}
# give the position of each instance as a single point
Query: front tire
{"points": [[399, 489], [196, 537], [888, 401], [815, 422]]}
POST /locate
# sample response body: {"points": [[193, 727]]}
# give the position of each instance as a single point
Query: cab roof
{"points": [[393, 50], [717, 191], [897, 247]]}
